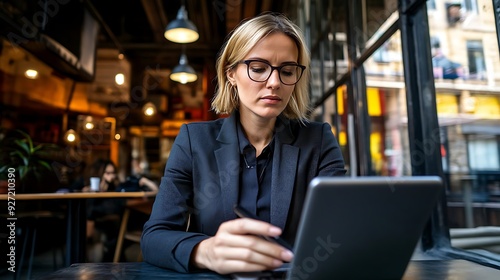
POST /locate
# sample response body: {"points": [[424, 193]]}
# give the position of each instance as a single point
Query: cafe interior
{"points": [[83, 80]]}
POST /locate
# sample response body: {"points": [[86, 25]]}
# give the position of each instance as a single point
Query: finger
{"points": [[249, 255], [250, 226], [232, 266], [254, 243], [245, 226]]}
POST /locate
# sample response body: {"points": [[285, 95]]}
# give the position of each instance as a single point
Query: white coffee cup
{"points": [[94, 184]]}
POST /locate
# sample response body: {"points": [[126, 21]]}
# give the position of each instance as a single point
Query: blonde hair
{"points": [[241, 40]]}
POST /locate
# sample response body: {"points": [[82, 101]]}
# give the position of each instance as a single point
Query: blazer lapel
{"points": [[228, 166], [284, 171], [285, 163]]}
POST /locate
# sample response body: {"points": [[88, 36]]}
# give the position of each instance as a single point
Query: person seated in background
{"points": [[137, 181], [103, 215]]}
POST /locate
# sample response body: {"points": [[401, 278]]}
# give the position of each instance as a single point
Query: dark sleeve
{"points": [[165, 243], [77, 184], [331, 161]]}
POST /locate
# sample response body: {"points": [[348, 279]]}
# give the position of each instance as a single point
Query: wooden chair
{"points": [[141, 205]]}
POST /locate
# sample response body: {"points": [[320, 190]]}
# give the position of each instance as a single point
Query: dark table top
{"points": [[428, 269]]}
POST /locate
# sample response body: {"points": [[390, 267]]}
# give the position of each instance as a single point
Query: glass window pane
{"points": [[386, 96], [483, 153], [466, 66]]}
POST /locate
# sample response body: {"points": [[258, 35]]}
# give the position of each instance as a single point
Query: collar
{"points": [[283, 129]]}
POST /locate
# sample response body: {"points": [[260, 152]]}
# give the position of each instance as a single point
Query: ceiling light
{"points": [[70, 136], [183, 72], [119, 79], [31, 74], [181, 30], [149, 109], [88, 123]]}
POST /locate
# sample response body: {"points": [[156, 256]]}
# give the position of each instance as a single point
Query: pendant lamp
{"points": [[70, 136], [181, 30], [149, 109], [183, 72]]}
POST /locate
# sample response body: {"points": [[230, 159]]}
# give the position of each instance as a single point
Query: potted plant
{"points": [[29, 160]]}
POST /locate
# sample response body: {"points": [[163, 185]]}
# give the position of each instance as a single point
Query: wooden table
{"points": [[76, 216]]}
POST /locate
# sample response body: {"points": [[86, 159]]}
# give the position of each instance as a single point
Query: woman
{"points": [[106, 171], [103, 215], [261, 157]]}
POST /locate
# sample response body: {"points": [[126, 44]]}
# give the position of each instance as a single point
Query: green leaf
{"points": [[27, 137], [22, 171], [23, 157], [23, 145], [45, 164]]}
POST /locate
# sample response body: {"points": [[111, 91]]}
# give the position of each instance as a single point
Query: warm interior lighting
{"points": [[70, 136], [183, 72], [181, 30], [119, 79], [31, 74], [149, 109], [88, 123], [89, 126], [117, 136]]}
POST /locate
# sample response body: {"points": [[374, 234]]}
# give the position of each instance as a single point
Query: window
{"points": [[483, 153], [475, 56], [398, 141], [453, 13], [470, 6], [431, 4], [340, 47]]}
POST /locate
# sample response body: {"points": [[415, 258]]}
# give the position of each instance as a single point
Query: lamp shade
{"points": [[183, 73], [181, 30]]}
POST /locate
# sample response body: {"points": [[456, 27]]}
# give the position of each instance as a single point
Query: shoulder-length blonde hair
{"points": [[240, 42]]}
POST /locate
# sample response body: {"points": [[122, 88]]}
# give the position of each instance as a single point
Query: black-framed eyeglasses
{"points": [[260, 71]]}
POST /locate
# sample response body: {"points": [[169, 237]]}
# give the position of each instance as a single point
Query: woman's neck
{"points": [[259, 131]]}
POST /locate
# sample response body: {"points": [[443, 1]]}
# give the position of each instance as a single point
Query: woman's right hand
{"points": [[236, 247]]}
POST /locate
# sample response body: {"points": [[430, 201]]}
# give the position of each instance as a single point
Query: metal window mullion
{"points": [[423, 127], [496, 12], [356, 89], [333, 45]]}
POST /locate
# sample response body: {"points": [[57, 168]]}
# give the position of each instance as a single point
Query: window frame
{"points": [[435, 240]]}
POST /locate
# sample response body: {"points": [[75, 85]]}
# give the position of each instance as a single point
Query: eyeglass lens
{"points": [[260, 71]]}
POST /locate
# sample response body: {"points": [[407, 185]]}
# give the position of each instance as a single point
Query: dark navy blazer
{"points": [[201, 178]]}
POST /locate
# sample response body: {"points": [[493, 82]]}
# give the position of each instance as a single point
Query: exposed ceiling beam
{"points": [[168, 47], [266, 5], [103, 24], [250, 9], [208, 27], [156, 18], [233, 14]]}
